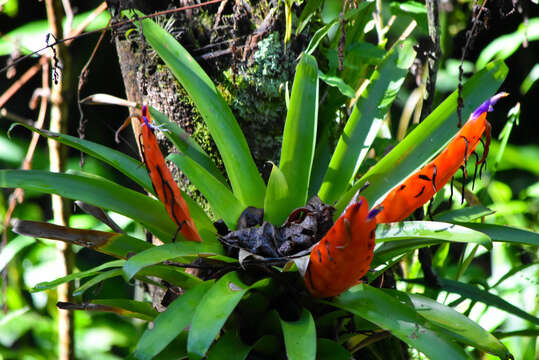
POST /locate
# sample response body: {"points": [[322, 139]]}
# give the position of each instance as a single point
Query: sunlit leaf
{"points": [[390, 314], [246, 182]]}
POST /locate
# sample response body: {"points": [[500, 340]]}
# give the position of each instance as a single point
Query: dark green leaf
{"points": [[330, 350], [229, 347], [505, 233], [300, 337]]}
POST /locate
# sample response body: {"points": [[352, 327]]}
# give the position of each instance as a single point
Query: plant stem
{"points": [[61, 62]]}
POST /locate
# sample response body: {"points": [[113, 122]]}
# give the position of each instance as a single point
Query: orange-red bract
{"points": [[419, 188], [165, 187], [345, 253]]}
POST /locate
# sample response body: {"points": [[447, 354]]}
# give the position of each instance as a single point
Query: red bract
{"points": [[345, 253], [165, 187], [421, 186]]}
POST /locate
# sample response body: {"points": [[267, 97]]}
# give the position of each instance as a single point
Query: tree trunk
{"points": [[239, 44]]}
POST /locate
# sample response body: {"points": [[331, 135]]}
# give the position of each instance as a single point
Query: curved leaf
{"points": [[96, 191], [505, 233], [474, 293], [127, 165], [300, 337], [246, 182], [170, 323], [78, 275], [330, 350], [212, 312], [427, 138], [388, 313], [430, 230], [223, 202], [467, 330], [165, 252], [12, 248], [299, 136], [229, 347], [365, 121]]}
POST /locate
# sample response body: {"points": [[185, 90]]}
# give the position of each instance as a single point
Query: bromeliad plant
{"points": [[276, 276]]}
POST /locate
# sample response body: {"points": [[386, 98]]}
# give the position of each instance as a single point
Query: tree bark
{"points": [[240, 45]]}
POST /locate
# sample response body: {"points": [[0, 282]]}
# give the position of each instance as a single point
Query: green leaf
{"points": [[300, 337], [223, 202], [276, 201], [530, 79], [430, 230], [96, 280], [185, 143], [299, 136], [506, 45], [171, 274], [505, 233], [110, 243], [128, 308], [165, 252], [318, 36], [464, 215], [96, 191], [229, 347], [427, 138], [413, 9], [170, 323], [246, 182], [212, 312], [308, 11], [365, 121], [472, 292], [12, 248], [467, 330], [78, 275], [388, 313], [130, 167], [330, 350], [337, 82], [125, 164]]}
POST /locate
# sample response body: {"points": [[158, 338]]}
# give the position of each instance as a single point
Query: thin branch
{"points": [[112, 26]]}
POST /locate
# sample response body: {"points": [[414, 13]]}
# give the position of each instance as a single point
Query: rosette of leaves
{"points": [[246, 299]]}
